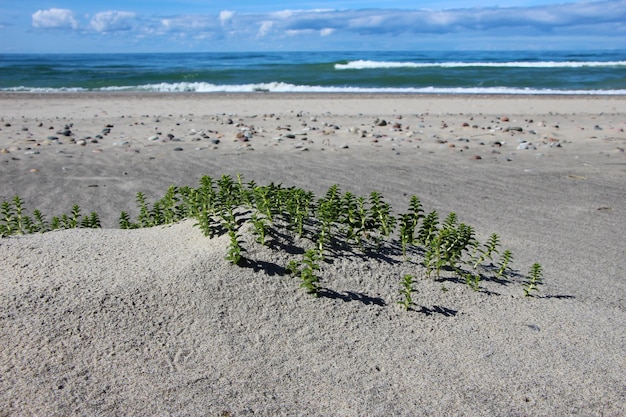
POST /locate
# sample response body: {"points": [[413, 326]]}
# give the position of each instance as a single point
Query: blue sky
{"points": [[64, 26]]}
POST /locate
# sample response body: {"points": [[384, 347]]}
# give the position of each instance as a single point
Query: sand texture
{"points": [[155, 321]]}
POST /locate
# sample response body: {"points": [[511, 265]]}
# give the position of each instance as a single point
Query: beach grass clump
{"points": [[334, 224], [15, 221]]}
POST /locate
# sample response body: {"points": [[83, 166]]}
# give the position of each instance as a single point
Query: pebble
{"points": [[178, 149], [476, 157], [153, 138]]}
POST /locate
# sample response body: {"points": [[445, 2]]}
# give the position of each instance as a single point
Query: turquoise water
{"points": [[441, 72]]}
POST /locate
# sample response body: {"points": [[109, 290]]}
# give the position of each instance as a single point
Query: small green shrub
{"points": [[306, 270], [533, 280], [406, 289]]}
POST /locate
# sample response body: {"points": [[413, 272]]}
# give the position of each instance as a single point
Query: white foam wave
{"points": [[363, 64], [279, 87], [24, 89]]}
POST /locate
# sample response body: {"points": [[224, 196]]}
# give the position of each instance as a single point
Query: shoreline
{"points": [[247, 103], [282, 95]]}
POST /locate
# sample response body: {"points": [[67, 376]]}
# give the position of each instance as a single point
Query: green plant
{"points": [[259, 224], [534, 279], [234, 254], [125, 222], [380, 215], [328, 212], [406, 288], [428, 228], [306, 269], [91, 221], [447, 245], [505, 260], [488, 249], [407, 229], [472, 279]]}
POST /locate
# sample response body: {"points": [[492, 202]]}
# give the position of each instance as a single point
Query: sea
{"points": [[403, 72]]}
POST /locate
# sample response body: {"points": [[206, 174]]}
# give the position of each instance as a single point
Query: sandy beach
{"points": [[155, 321]]}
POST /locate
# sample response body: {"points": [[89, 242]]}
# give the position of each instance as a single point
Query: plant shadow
{"points": [[348, 296], [268, 268], [444, 311]]}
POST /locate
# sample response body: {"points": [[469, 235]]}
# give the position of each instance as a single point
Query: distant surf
{"points": [[404, 72]]}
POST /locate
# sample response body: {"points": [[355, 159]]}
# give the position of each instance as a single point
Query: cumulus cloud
{"points": [[264, 29], [605, 17], [54, 19], [226, 16], [112, 21]]}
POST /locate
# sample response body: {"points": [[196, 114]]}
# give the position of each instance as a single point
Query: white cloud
{"points": [[54, 19], [264, 29], [605, 18], [112, 21], [226, 16]]}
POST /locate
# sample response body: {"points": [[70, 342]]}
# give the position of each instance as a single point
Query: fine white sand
{"points": [[156, 322]]}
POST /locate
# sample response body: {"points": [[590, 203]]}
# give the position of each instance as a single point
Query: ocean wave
{"points": [[363, 64], [280, 87]]}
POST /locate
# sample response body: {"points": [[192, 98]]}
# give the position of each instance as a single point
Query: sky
{"points": [[80, 26]]}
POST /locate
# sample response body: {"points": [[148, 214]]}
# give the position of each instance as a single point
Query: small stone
{"points": [[81, 142], [476, 157], [153, 138], [504, 119], [178, 149], [215, 141]]}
